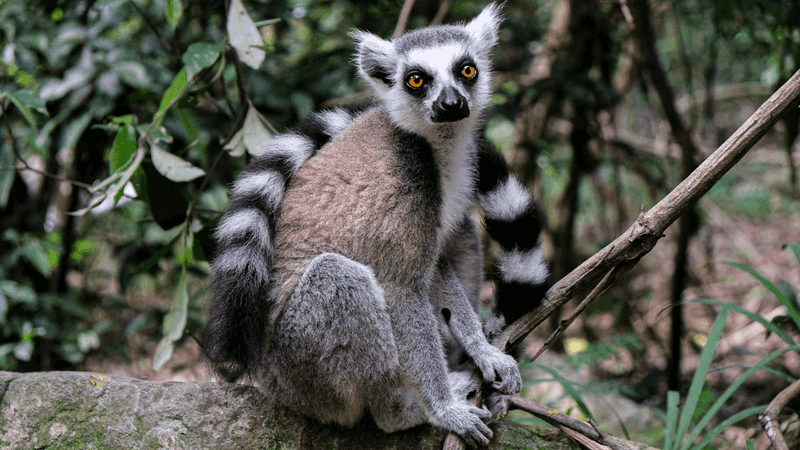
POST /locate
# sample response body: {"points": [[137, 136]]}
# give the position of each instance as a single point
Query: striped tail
{"points": [[512, 220], [235, 337]]}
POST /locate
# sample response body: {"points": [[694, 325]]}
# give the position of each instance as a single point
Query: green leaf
{"points": [[6, 177], [29, 99], [18, 293], [25, 101], [123, 148], [157, 134], [133, 73], [74, 129], [172, 167], [175, 320], [175, 90], [174, 324], [254, 134], [200, 56], [185, 255], [236, 146], [244, 36], [772, 288], [35, 253], [174, 11], [162, 353]]}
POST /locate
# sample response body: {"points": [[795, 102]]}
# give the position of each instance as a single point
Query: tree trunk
{"points": [[87, 410]]}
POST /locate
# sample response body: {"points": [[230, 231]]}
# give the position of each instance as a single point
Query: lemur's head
{"points": [[433, 76]]}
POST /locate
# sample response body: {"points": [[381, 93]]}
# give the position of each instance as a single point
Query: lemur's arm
{"points": [[449, 300]]}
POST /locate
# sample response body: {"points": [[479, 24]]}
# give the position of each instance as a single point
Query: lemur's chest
{"points": [[373, 195]]}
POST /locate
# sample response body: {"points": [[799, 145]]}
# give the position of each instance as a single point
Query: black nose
{"points": [[451, 106]]}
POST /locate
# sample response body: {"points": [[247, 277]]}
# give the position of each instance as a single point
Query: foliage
{"points": [[151, 107], [677, 433], [148, 109]]}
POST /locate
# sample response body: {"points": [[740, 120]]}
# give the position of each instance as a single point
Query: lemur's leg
{"points": [[335, 342], [424, 370]]}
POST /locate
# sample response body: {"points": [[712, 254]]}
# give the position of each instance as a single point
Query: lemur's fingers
{"points": [[499, 370]]}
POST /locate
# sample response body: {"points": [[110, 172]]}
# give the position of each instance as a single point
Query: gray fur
{"points": [[371, 281]]}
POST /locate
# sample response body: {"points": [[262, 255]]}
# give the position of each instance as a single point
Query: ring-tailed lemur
{"points": [[333, 271]]}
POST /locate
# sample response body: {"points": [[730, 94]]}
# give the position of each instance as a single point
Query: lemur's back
{"points": [[374, 203]]}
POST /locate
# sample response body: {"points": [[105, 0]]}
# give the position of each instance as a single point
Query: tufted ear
{"points": [[484, 28], [375, 59]]}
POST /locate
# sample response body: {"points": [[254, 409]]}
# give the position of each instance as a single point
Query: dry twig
{"points": [[769, 417], [589, 430], [402, 22]]}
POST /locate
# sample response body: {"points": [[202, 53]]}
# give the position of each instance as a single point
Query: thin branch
{"points": [[155, 30], [441, 13], [589, 430], [607, 281], [402, 21], [769, 417], [21, 160]]}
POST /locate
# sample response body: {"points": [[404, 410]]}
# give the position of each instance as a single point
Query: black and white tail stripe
{"points": [[235, 335], [513, 220]]}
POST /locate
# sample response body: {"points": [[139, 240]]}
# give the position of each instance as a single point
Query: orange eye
{"points": [[415, 81], [469, 71]]}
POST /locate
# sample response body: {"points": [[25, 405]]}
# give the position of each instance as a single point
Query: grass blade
{"points": [[752, 316], [796, 249], [568, 389], [673, 399], [716, 431], [696, 388], [772, 288], [732, 389]]}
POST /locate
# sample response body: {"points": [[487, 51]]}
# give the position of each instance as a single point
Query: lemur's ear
{"points": [[484, 28], [375, 59]]}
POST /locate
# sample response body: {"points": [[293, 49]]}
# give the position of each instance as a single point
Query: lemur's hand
{"points": [[499, 369], [466, 420]]}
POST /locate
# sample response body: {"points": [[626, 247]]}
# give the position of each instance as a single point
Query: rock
{"points": [[80, 410]]}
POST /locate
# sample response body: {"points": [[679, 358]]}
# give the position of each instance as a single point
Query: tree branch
{"points": [[769, 418], [642, 236], [402, 22], [589, 430]]}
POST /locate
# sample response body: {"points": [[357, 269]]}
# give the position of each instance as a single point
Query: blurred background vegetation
{"points": [[124, 123]]}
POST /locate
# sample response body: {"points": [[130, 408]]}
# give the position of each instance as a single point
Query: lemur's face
{"points": [[440, 84], [432, 77]]}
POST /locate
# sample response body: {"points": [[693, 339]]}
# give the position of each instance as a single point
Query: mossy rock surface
{"points": [[79, 410]]}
